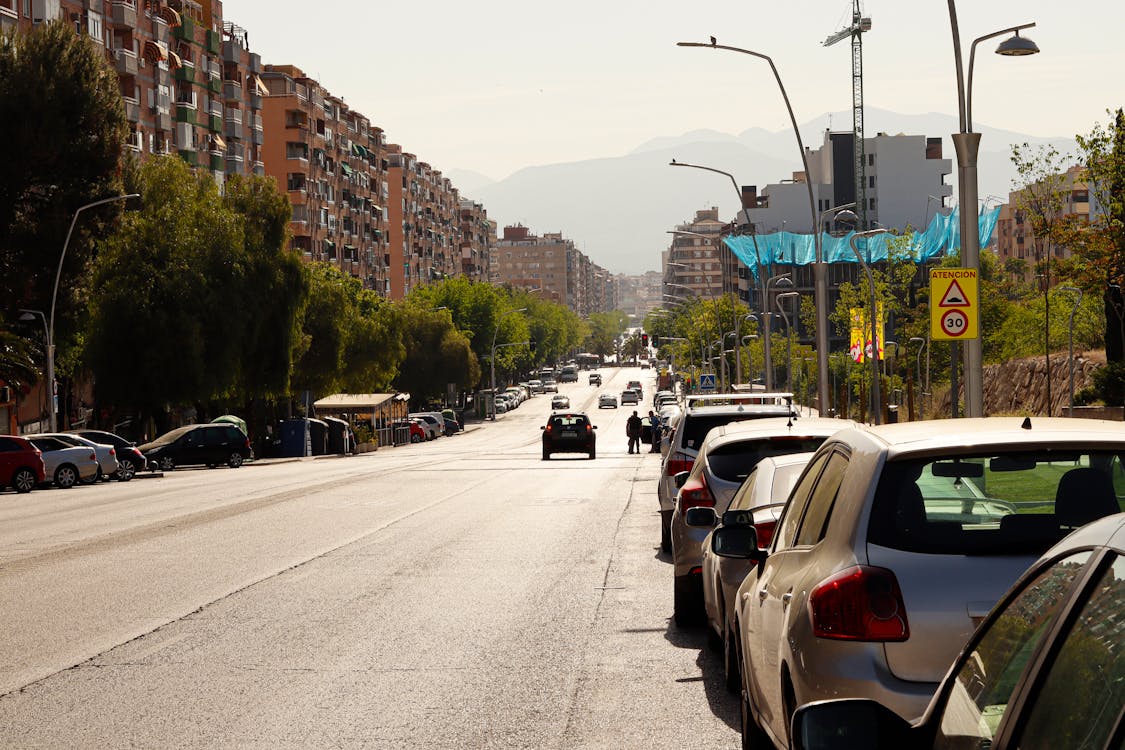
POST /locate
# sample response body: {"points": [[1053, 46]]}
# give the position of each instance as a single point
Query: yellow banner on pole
{"points": [[860, 340]]}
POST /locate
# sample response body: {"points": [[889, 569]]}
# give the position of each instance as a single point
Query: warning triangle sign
{"points": [[954, 297]]}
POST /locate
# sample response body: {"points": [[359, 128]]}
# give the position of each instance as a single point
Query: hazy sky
{"points": [[496, 85]]}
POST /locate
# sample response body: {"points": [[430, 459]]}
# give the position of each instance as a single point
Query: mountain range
{"points": [[618, 210]]}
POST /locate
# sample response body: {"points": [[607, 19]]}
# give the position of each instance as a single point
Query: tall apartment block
{"points": [[693, 265], [478, 234], [1017, 246], [330, 160], [188, 84], [556, 268]]}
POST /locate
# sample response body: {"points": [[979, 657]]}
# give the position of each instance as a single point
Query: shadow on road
{"points": [[723, 704]]}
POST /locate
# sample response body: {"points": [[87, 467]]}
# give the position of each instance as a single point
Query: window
{"points": [[734, 461], [975, 705], [870, 182], [1086, 682], [871, 160], [787, 526], [815, 522]]}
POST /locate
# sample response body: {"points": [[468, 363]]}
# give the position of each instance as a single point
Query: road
{"points": [[456, 594]]}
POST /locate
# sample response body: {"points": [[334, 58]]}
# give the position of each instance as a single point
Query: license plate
{"points": [[569, 433]]}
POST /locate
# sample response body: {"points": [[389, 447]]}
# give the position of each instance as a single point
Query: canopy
{"points": [[940, 238], [238, 422], [354, 402]]}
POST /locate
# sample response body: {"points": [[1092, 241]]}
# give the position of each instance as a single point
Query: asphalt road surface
{"points": [[461, 593]]}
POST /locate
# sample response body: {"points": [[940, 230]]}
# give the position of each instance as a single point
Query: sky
{"points": [[496, 85]]}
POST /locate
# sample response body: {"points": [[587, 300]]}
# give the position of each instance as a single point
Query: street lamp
{"points": [[876, 398], [924, 342], [820, 271], [54, 296], [1070, 342], [967, 143], [789, 338], [782, 279], [492, 359], [31, 315]]}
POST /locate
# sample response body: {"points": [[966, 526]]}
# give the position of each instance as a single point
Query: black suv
{"points": [[199, 445], [130, 460], [569, 432]]}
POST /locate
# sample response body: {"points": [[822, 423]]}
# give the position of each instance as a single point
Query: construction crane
{"points": [[856, 31]]}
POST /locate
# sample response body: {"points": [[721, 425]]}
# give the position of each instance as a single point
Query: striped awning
{"points": [[263, 90], [174, 60], [171, 15], [154, 51]]}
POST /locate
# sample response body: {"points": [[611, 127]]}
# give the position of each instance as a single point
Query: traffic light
{"points": [[655, 341], [644, 339]]}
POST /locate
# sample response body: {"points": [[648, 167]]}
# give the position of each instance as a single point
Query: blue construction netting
{"points": [[941, 237]]}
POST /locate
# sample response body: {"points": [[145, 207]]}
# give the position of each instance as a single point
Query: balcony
{"points": [[125, 62], [255, 100], [232, 91], [214, 123], [216, 161], [186, 29], [186, 72], [232, 51], [132, 109], [190, 157], [255, 62], [233, 129], [259, 169], [123, 14], [213, 41], [185, 113], [257, 137], [215, 86], [162, 121]]}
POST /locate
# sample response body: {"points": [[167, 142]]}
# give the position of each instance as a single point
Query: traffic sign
{"points": [[707, 382], [955, 304]]}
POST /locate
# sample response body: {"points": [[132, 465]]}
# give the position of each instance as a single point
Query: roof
{"points": [[805, 427], [357, 401], [994, 432]]}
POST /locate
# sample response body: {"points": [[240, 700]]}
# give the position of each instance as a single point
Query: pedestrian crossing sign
{"points": [[707, 381]]}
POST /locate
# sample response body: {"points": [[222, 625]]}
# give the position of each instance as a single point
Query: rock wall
{"points": [[1019, 387]]}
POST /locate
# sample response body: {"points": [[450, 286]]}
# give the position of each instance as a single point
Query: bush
{"points": [[1109, 383], [1086, 396], [363, 433]]}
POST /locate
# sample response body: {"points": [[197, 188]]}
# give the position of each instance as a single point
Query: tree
{"points": [[64, 133], [605, 327], [436, 354]]}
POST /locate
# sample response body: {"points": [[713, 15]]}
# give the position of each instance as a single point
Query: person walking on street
{"points": [[633, 432], [654, 431]]}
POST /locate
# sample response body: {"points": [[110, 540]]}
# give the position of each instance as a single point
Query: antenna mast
{"points": [[856, 31]]}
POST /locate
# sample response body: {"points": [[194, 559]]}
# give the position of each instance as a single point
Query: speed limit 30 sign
{"points": [[954, 304]]}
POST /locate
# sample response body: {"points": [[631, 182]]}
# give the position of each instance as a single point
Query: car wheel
{"points": [[167, 463], [126, 470], [415, 438], [665, 533], [94, 479], [235, 460], [685, 602], [24, 481], [66, 476], [732, 665], [593, 453]]}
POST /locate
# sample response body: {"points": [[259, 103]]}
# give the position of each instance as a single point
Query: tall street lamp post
{"points": [[876, 397], [922, 344], [782, 279], [492, 360], [1070, 342], [820, 271], [31, 315], [52, 421], [966, 143], [788, 337]]}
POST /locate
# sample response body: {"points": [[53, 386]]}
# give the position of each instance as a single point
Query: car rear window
{"points": [[995, 503], [734, 461], [695, 427], [568, 420]]}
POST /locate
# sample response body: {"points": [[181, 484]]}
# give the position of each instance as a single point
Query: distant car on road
{"points": [[550, 386], [106, 453], [629, 396], [199, 445], [636, 386], [569, 432], [607, 401], [21, 464], [560, 402], [595, 378], [129, 459], [569, 374]]}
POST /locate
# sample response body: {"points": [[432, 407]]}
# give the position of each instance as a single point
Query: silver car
{"points": [[726, 457], [688, 431], [64, 464], [894, 544], [106, 454], [759, 501]]}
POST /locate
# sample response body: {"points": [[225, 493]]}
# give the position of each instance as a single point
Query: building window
{"points": [[871, 160], [870, 204], [870, 182]]}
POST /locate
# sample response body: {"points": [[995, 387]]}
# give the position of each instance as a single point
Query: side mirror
{"points": [[850, 724], [700, 517], [594, 426], [680, 478], [740, 542], [543, 427]]}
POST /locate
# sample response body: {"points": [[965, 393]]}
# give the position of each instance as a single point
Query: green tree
{"points": [[437, 354], [604, 330], [64, 133]]}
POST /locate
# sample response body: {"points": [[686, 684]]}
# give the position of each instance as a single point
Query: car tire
{"points": [[546, 455], [66, 476], [235, 460], [94, 479], [167, 463], [685, 601], [753, 738], [732, 664], [126, 470], [415, 438], [24, 480], [593, 453]]}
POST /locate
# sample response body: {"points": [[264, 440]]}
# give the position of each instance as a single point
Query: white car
{"points": [[560, 402], [65, 464], [107, 454], [607, 401]]}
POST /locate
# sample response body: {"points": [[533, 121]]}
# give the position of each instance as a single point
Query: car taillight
{"points": [[589, 428], [113, 451], [674, 466], [93, 456], [548, 430], [861, 603], [694, 494], [765, 531]]}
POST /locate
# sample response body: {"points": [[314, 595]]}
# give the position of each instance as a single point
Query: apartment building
{"points": [[553, 266], [639, 294], [188, 81], [330, 160], [477, 235], [693, 265], [1018, 248]]}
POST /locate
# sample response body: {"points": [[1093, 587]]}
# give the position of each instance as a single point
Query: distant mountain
{"points": [[468, 182], [619, 210]]}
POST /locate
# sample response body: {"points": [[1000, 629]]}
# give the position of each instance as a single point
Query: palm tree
{"points": [[18, 356]]}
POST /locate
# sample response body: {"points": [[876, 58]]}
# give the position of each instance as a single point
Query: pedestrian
{"points": [[654, 431], [633, 432]]}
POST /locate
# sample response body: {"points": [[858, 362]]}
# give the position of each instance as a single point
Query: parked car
{"points": [[64, 464], [607, 401], [560, 402], [629, 396], [758, 502], [686, 435], [434, 426], [894, 544], [550, 386], [536, 385], [726, 457], [500, 405], [129, 459], [416, 431], [662, 398], [1046, 669], [105, 453], [21, 464], [595, 378], [442, 424], [569, 374], [569, 432], [198, 445]]}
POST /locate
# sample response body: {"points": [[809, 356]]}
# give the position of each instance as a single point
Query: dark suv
{"points": [[199, 445], [130, 460], [21, 464], [569, 432]]}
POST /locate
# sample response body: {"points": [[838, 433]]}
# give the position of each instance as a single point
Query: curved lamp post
{"points": [[966, 143], [876, 397], [492, 359], [788, 337], [1070, 342], [923, 343], [820, 272]]}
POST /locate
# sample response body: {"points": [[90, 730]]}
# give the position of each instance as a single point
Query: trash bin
{"points": [[295, 438], [339, 435], [318, 435]]}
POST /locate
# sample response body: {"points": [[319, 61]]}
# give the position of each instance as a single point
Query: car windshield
{"points": [[568, 422], [734, 461], [993, 503], [170, 437]]}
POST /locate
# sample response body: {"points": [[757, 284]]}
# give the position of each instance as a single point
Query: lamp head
{"points": [[1017, 46], [847, 216], [27, 315]]}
